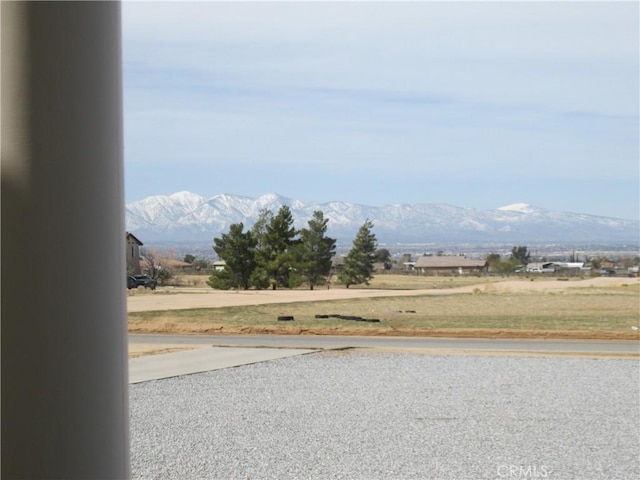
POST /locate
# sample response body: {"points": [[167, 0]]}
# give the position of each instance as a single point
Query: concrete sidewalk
{"points": [[155, 367]]}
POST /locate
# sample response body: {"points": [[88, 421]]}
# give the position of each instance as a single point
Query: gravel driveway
{"points": [[358, 415]]}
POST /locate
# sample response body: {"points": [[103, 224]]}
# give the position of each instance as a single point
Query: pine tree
{"points": [[236, 248], [275, 257], [315, 251], [521, 253], [259, 229], [260, 277], [358, 264]]}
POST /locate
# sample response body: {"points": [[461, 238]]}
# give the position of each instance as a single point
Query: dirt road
{"points": [[179, 299]]}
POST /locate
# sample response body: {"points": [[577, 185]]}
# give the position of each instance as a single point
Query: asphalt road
{"points": [[430, 345]]}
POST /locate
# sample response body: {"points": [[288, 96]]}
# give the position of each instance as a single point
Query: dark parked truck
{"points": [[135, 281]]}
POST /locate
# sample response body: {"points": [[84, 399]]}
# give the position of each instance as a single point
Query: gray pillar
{"points": [[64, 339]]}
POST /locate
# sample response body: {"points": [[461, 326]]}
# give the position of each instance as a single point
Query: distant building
{"points": [[133, 254], [541, 267], [218, 265], [175, 264], [557, 267], [337, 263], [449, 265], [409, 266]]}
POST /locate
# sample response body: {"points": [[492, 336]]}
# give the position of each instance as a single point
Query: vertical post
{"points": [[64, 339]]}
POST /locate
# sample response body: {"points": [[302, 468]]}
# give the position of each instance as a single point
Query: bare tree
{"points": [[157, 266]]}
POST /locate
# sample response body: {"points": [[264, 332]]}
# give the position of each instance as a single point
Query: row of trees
{"points": [[520, 256], [274, 254]]}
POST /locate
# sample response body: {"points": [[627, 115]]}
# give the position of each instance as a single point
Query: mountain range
{"points": [[186, 216]]}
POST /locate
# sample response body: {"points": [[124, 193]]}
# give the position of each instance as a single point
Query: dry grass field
{"points": [[416, 306], [390, 282]]}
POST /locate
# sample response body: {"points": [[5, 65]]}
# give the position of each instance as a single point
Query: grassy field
{"points": [[581, 313], [388, 282]]}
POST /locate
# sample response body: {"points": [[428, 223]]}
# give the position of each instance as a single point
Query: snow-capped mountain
{"points": [[185, 216]]}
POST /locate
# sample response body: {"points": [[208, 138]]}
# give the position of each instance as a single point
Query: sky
{"points": [[473, 104]]}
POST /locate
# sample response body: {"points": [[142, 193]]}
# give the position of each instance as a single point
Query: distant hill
{"points": [[185, 216]]}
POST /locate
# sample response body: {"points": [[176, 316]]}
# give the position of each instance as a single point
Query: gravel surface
{"points": [[358, 415]]}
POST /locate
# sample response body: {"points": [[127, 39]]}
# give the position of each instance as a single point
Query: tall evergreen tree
{"points": [[236, 248], [260, 277], [383, 256], [275, 257], [315, 251], [358, 264], [521, 253], [259, 229]]}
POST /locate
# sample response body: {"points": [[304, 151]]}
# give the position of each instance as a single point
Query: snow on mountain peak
{"points": [[269, 197], [517, 207], [186, 201], [186, 197], [187, 216]]}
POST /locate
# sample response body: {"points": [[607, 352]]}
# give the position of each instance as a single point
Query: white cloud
{"points": [[565, 55]]}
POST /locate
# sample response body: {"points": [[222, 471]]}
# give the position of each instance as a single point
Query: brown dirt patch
{"points": [[208, 298], [143, 349], [442, 333]]}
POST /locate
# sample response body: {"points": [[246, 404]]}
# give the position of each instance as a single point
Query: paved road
{"points": [[434, 345], [155, 367]]}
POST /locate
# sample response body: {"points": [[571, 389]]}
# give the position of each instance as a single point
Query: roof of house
{"points": [[448, 261], [174, 263], [134, 238]]}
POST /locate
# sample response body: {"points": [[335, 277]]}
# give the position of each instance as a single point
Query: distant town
{"points": [[568, 260]]}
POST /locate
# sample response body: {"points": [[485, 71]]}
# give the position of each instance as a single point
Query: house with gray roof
{"points": [[449, 265]]}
